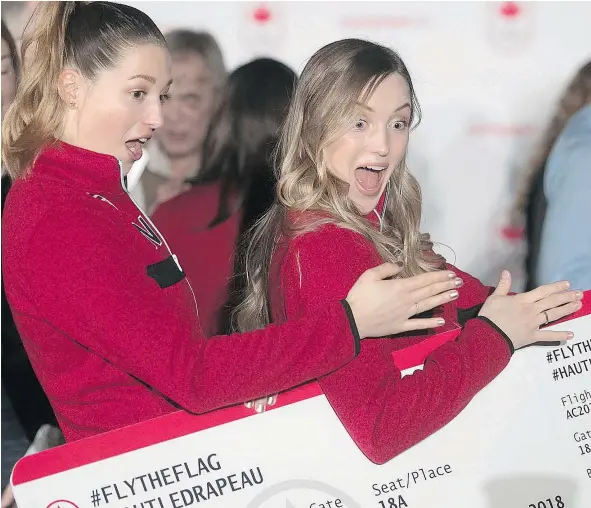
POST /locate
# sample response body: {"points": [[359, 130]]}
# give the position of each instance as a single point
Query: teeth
{"points": [[143, 140], [375, 168]]}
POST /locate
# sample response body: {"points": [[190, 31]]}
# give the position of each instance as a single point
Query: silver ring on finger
{"points": [[547, 318]]}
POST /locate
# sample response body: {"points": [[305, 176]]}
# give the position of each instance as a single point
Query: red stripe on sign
{"points": [[134, 437]]}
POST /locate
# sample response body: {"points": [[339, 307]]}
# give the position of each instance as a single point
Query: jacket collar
{"points": [[84, 169]]}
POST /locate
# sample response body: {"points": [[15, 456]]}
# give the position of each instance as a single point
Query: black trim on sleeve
{"points": [[501, 332], [135, 378], [470, 313], [353, 325]]}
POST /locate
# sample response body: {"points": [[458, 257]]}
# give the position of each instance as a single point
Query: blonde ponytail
{"points": [[35, 116]]}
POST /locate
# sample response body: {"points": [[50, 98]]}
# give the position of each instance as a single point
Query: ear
{"points": [[70, 85]]}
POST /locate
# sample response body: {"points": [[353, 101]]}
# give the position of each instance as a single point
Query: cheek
{"points": [[107, 128], [209, 99], [340, 158], [399, 144]]}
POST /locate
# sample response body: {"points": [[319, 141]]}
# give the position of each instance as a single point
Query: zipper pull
{"points": [[176, 260]]}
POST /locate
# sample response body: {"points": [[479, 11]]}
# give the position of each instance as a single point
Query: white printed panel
{"points": [[524, 440]]}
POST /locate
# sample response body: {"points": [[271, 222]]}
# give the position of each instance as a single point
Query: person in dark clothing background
{"points": [[25, 407], [234, 188], [18, 378]]}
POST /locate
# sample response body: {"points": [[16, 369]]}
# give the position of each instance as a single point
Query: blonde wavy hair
{"points": [[333, 82], [576, 96]]}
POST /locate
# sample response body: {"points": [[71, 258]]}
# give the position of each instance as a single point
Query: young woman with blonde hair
{"points": [[346, 202]]}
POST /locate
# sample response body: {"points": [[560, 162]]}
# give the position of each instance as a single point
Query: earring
{"points": [[72, 105]]}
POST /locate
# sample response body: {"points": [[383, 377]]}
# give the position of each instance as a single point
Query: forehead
{"points": [[393, 91], [189, 70], [145, 59]]}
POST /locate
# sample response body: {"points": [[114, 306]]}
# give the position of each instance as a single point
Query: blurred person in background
{"points": [[555, 201], [10, 68], [175, 153], [27, 416], [234, 187]]}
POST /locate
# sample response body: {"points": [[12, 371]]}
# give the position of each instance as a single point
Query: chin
{"points": [[365, 204], [177, 147]]}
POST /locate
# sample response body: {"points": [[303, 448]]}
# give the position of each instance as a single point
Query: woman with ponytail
{"points": [[104, 309]]}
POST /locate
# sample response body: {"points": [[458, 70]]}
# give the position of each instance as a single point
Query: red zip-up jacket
{"points": [[384, 412], [109, 320]]}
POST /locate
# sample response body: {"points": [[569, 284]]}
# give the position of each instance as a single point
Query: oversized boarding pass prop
{"points": [[524, 441]]}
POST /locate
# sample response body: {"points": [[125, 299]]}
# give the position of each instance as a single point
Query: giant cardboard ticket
{"points": [[524, 441]]}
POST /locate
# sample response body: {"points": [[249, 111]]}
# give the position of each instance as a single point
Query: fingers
{"points": [[558, 299], [434, 301], [552, 336], [382, 271], [546, 290], [504, 285], [436, 289], [560, 312], [260, 405], [422, 324], [427, 279], [7, 497]]}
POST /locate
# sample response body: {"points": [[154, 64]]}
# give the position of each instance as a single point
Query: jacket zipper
{"points": [[383, 214], [176, 260]]}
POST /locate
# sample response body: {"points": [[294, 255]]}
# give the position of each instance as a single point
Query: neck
{"points": [[186, 166]]}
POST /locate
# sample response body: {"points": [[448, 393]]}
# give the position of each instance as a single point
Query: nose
{"points": [[378, 141], [154, 118]]}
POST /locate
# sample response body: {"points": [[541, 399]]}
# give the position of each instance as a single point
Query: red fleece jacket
{"points": [[384, 412], [109, 320]]}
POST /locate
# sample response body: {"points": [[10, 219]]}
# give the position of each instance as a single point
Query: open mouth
{"points": [[135, 147], [369, 178]]}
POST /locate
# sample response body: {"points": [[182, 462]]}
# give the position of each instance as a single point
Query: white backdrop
{"points": [[487, 75]]}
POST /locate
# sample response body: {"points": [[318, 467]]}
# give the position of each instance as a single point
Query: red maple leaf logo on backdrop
{"points": [[510, 9], [261, 14]]}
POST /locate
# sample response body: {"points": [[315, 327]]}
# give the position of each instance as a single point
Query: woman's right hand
{"points": [[385, 307], [520, 316]]}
